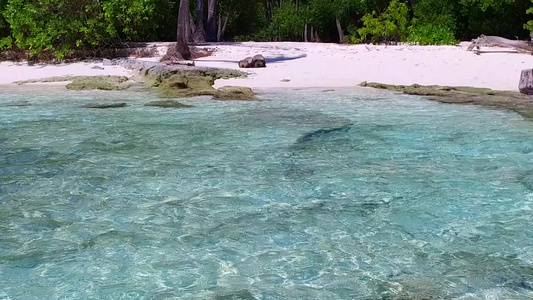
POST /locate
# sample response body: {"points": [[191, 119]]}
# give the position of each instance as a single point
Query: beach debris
{"points": [[167, 104], [496, 41], [257, 61], [109, 62], [526, 82], [285, 80], [234, 93], [105, 105]]}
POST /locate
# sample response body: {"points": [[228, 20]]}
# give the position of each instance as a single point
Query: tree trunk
{"points": [[190, 28], [181, 46], [312, 34], [222, 28], [199, 33], [305, 33], [342, 39], [526, 82], [211, 30]]}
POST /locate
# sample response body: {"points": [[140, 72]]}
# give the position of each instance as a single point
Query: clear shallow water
{"points": [[304, 195]]}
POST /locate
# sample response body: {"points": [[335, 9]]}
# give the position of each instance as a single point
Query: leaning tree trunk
{"points": [[342, 38], [183, 26], [211, 30], [222, 27], [191, 27], [526, 82], [199, 33]]}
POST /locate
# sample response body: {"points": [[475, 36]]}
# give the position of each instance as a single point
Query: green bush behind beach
{"points": [[60, 26]]}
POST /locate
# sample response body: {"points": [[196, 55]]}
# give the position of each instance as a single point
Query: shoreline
{"points": [[318, 67], [321, 65]]}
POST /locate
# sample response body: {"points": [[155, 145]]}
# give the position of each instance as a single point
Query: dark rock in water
{"points": [[105, 105], [106, 83], [526, 150], [238, 295], [234, 93], [321, 132], [168, 104], [527, 180], [20, 103], [257, 61], [97, 68]]}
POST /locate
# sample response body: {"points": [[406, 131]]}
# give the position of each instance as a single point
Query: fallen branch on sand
{"points": [[496, 41]]}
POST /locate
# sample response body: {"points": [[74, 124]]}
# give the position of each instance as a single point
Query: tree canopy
{"points": [[60, 26]]}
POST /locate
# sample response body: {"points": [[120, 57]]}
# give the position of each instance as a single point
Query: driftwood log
{"points": [[496, 41], [526, 82]]}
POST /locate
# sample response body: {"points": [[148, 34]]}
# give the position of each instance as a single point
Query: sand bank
{"points": [[12, 72], [306, 65]]}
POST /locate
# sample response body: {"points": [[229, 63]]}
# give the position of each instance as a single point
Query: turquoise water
{"points": [[303, 195]]}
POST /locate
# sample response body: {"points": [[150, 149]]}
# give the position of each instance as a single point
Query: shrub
{"points": [[60, 26], [389, 27], [431, 34]]}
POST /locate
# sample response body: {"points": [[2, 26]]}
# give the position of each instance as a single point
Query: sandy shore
{"points": [[305, 65]]}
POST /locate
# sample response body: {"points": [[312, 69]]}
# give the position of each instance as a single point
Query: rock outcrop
{"points": [[169, 80], [525, 85], [257, 61], [178, 80], [523, 104], [234, 93], [106, 83], [179, 86]]}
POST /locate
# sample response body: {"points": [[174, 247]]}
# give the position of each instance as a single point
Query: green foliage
{"points": [[529, 24], [434, 22], [60, 26], [431, 34], [390, 26], [493, 17], [287, 23]]}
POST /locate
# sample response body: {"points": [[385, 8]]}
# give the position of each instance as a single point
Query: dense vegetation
{"points": [[60, 26]]}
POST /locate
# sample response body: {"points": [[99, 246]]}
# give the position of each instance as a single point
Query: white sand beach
{"points": [[20, 71], [306, 65]]}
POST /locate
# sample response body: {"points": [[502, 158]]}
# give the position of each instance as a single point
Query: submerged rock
{"points": [[105, 105], [106, 83], [515, 101], [235, 93], [168, 104], [321, 132], [238, 295], [19, 103]]}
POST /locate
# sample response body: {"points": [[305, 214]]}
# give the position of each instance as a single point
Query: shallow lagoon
{"points": [[353, 194]]}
